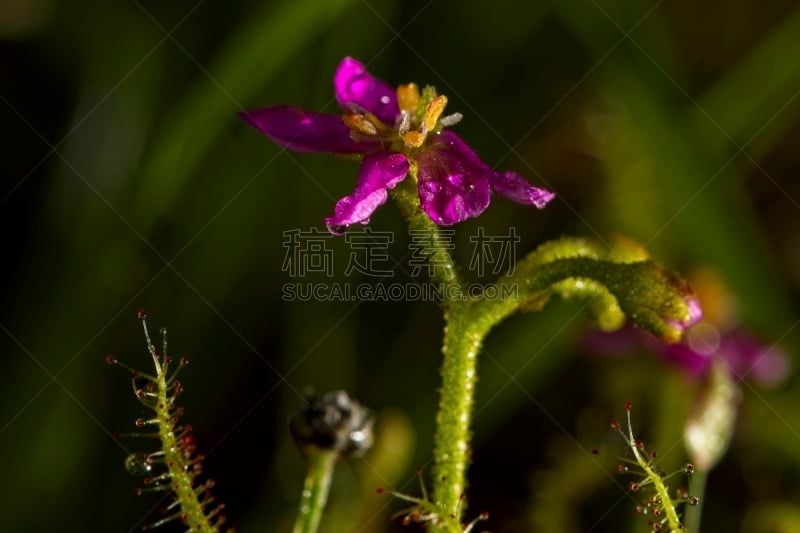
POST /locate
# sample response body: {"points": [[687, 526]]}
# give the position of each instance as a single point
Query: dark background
{"points": [[129, 182]]}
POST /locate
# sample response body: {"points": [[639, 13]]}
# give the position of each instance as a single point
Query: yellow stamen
{"points": [[433, 111], [359, 123], [375, 121], [414, 139], [408, 97]]}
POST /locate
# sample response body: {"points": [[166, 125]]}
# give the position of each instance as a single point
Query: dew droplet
{"points": [[432, 186], [145, 391], [137, 464], [142, 314], [336, 229]]}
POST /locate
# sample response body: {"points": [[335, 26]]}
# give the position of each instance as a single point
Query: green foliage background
{"points": [[129, 182]]}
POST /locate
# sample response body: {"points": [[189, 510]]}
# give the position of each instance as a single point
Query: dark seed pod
{"points": [[335, 422]]}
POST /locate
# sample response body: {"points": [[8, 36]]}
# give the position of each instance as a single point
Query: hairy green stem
{"points": [[321, 464], [436, 249], [643, 290], [463, 338]]}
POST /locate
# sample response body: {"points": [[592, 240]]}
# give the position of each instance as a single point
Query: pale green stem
{"points": [[694, 513], [317, 485]]}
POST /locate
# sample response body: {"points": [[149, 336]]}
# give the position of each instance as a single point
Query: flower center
{"points": [[420, 114]]}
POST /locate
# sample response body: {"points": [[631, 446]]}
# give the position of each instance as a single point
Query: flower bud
{"points": [[333, 422]]}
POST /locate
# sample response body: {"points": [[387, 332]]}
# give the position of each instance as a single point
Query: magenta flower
{"points": [[398, 133], [739, 351], [744, 356]]}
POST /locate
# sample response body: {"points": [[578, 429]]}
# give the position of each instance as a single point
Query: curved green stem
{"points": [[321, 464], [652, 297]]}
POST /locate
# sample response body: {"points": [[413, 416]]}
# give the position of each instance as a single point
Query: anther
{"points": [[360, 124], [408, 97], [432, 112], [414, 139]]}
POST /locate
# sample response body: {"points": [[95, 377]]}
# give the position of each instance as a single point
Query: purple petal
{"points": [[622, 342], [358, 91], [515, 188], [693, 363], [379, 171], [748, 358], [453, 183], [306, 131]]}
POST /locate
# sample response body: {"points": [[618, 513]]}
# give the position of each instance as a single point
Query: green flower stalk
{"points": [[327, 428], [317, 485]]}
